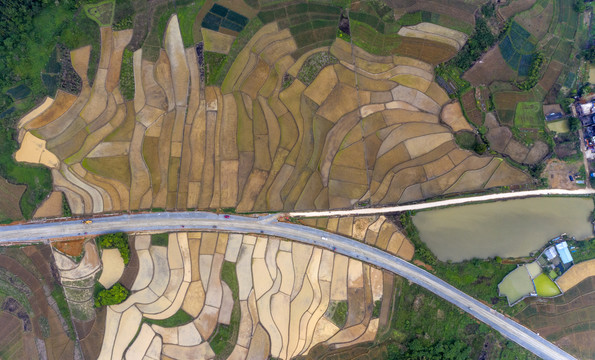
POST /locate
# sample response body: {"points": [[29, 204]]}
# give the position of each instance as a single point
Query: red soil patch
{"points": [[423, 264], [72, 248]]}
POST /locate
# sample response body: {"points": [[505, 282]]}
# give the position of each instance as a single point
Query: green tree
{"points": [[574, 124], [579, 6]]}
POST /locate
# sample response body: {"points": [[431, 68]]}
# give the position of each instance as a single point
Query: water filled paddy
{"points": [[510, 228]]}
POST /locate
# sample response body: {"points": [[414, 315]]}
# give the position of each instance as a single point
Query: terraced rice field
{"points": [[367, 129], [242, 296]]}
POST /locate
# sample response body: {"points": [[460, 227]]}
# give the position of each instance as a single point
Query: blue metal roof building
{"points": [[564, 252]]}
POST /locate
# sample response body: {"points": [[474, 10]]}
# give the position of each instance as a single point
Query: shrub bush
{"points": [[114, 295], [118, 241]]}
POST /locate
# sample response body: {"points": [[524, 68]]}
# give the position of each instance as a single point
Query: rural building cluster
{"points": [[540, 277]]}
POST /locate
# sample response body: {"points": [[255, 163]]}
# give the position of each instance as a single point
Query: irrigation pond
{"points": [[510, 228]]}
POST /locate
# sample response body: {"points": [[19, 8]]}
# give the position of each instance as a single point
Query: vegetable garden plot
{"points": [[220, 16], [517, 48]]}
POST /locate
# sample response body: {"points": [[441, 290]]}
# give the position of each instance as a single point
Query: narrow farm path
{"points": [[443, 203]]}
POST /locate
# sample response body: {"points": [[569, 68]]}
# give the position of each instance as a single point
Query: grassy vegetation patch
{"points": [[214, 64], [313, 64], [339, 310], [102, 13], [178, 319], [58, 295], [127, 75], [159, 239], [225, 337], [186, 18], [11, 285], [528, 115]]}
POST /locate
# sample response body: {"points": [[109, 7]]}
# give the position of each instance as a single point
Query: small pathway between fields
{"points": [[443, 203]]}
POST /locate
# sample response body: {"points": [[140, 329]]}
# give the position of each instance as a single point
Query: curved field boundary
{"points": [[576, 274]]}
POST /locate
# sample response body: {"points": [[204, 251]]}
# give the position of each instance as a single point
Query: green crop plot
{"points": [[102, 13], [545, 286], [528, 115], [517, 48]]}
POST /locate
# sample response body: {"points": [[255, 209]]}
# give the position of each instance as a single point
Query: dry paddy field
{"points": [[272, 296], [367, 129]]}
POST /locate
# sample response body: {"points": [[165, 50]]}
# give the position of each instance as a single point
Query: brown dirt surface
{"points": [[491, 67], [557, 171], [516, 150], [515, 7], [551, 75], [470, 107], [426, 50], [499, 138], [51, 207], [72, 247], [131, 269], [80, 61], [91, 344], [10, 196]]}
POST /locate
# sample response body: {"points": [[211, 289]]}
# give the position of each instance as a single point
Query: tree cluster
{"points": [[421, 349], [477, 44], [118, 241], [534, 72], [579, 6], [114, 295], [574, 124], [16, 24]]}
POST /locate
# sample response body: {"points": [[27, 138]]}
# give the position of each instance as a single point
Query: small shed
{"points": [[564, 252], [550, 253]]}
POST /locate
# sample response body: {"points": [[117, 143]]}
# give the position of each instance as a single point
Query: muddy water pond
{"points": [[510, 228]]}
